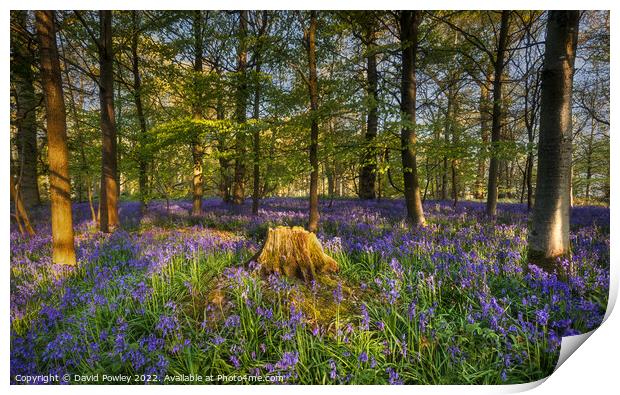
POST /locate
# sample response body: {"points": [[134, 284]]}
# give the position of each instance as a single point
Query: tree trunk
{"points": [[452, 131], [63, 248], [549, 230], [21, 215], [22, 77], [240, 138], [313, 220], [369, 158], [223, 153], [89, 195], [497, 115], [294, 252], [197, 147], [409, 23], [256, 146], [256, 133], [484, 134], [137, 96], [589, 152], [109, 184], [444, 173]]}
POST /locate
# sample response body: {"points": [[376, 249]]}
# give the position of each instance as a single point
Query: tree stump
{"points": [[294, 252]]}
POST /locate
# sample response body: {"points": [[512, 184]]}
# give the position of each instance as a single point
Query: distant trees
{"points": [[422, 105], [63, 248], [550, 223]]}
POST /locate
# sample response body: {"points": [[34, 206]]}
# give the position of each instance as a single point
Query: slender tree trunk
{"points": [[409, 23], [428, 179], [137, 97], [497, 115], [223, 152], [523, 182], [63, 248], [369, 158], [313, 221], [452, 131], [21, 215], [118, 106], [444, 176], [197, 147], [109, 183], [256, 145], [446, 135], [240, 115], [549, 229], [530, 191], [589, 162], [22, 77], [89, 195], [484, 134], [256, 133]]}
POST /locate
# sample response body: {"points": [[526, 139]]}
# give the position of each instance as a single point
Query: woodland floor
{"points": [[168, 295]]}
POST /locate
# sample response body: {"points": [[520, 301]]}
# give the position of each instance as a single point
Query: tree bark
{"points": [[589, 153], [137, 96], [549, 229], [313, 220], [369, 166], [63, 248], [225, 182], [22, 77], [240, 115], [496, 126], [409, 23], [484, 134], [108, 216], [21, 215], [197, 147], [256, 146], [256, 133]]}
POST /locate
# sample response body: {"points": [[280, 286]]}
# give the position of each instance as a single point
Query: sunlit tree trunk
{"points": [[197, 147], [369, 158], [108, 216], [22, 77], [313, 221], [240, 115], [409, 24], [63, 248], [496, 126], [549, 229]]}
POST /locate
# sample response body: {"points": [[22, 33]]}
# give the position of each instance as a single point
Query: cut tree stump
{"points": [[294, 252]]}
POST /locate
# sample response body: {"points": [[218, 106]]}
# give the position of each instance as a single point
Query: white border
{"points": [[592, 369]]}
